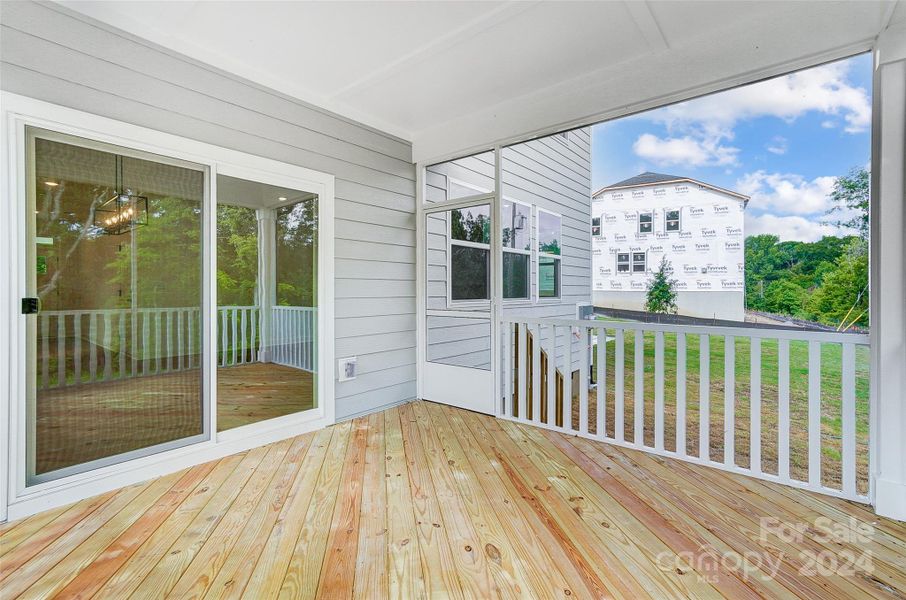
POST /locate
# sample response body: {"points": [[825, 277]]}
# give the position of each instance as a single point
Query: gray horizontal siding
{"points": [[51, 54]]}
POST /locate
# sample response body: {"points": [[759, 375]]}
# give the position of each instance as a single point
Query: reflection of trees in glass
{"points": [[297, 248], [552, 247], [237, 255], [470, 273], [515, 275], [469, 227], [168, 256]]}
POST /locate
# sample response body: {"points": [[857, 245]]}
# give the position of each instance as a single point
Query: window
{"points": [[623, 262], [672, 220], [645, 222], [517, 249], [548, 254], [638, 262], [596, 226], [470, 252]]}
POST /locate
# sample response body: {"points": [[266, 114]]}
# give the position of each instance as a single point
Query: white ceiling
{"points": [[451, 76]]}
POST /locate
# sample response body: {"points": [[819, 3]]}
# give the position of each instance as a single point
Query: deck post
{"points": [[888, 285], [266, 292]]}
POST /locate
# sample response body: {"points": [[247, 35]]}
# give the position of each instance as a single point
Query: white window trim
{"points": [[19, 112], [467, 244], [600, 233], [628, 263], [633, 262], [539, 255], [479, 192], [639, 222], [679, 220], [527, 299]]}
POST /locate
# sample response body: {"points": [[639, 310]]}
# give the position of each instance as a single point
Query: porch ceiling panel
{"points": [[456, 76]]}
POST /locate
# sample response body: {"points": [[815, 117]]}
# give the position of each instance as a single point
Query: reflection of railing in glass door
{"points": [[89, 346]]}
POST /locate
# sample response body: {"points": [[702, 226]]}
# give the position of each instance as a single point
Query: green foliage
{"points": [[470, 228], [821, 281], [850, 197], [844, 291], [661, 295]]}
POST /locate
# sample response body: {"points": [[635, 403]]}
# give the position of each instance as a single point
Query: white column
{"points": [[888, 275], [266, 288]]}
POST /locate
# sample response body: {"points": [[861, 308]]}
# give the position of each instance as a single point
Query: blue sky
{"points": [[781, 141]]}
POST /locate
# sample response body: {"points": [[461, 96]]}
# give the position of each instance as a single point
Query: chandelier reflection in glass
{"points": [[124, 211]]}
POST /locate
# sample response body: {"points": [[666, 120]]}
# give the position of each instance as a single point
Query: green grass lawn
{"points": [[831, 401]]}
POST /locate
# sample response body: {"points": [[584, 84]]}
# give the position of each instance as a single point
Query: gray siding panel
{"points": [[51, 54]]}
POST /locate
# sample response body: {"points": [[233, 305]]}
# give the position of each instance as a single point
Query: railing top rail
{"points": [[281, 307], [88, 311], [789, 334]]}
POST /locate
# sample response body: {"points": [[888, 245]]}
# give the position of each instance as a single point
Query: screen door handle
{"points": [[31, 306]]}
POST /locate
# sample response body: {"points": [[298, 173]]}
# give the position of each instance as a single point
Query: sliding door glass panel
{"points": [[115, 262], [267, 254]]}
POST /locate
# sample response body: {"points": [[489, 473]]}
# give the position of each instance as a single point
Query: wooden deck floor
{"points": [[430, 501]]}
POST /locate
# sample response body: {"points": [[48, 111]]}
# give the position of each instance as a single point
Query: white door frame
{"points": [[475, 389], [17, 500]]}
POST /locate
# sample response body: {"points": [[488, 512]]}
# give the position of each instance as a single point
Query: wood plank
{"points": [[239, 565], [338, 570], [131, 574], [404, 574], [441, 571], [302, 573], [371, 563], [267, 577], [537, 567], [173, 563], [102, 567]]}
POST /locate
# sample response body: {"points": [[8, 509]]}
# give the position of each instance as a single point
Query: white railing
{"points": [[795, 403], [295, 336], [88, 346]]}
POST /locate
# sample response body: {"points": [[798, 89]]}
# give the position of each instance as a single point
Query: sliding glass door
{"points": [[267, 255], [114, 278]]}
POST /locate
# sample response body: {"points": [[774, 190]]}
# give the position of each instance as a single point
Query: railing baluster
{"points": [[190, 337], [77, 348], [61, 349], [568, 380], [536, 374], [146, 335], [583, 379], [783, 409], [108, 340], [704, 397], [755, 406], [729, 400], [522, 406], [619, 376], [601, 415], [157, 341], [552, 376], [244, 336], [179, 340], [507, 351], [639, 389], [681, 394], [224, 345], [171, 351], [122, 352], [814, 413], [234, 323], [659, 390], [92, 346], [133, 344], [253, 342], [848, 416], [45, 350]]}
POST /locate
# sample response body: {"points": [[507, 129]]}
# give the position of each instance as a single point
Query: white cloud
{"points": [[789, 228], [685, 150], [828, 124], [787, 193], [778, 145], [824, 89]]}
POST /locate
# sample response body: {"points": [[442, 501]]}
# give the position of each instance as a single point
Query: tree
{"points": [[850, 198], [661, 295], [784, 297], [843, 293]]}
